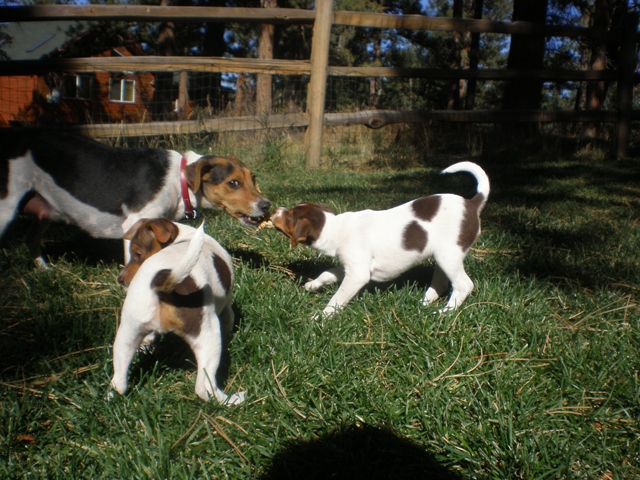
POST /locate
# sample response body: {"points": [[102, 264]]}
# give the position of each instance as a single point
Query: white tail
{"points": [[475, 170], [183, 267]]}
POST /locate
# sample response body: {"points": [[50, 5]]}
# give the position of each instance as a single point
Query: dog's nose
{"points": [[264, 205], [120, 279]]}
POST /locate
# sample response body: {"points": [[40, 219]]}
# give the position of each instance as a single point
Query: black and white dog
{"points": [[104, 190]]}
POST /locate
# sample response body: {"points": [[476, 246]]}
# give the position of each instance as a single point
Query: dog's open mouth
{"points": [[250, 221]]}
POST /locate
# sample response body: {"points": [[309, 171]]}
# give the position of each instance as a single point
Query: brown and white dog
{"points": [[381, 245], [104, 190], [179, 280]]}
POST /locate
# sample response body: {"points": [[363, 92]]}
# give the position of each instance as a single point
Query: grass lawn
{"points": [[535, 376]]}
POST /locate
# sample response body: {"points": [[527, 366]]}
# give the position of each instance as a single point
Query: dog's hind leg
{"points": [[207, 347], [34, 242], [461, 285], [127, 340], [438, 286], [226, 324], [7, 212], [9, 206]]}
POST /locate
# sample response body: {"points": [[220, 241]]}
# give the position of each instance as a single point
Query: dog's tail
{"points": [[481, 177], [166, 280]]}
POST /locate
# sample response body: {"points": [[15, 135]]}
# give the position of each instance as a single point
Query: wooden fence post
{"points": [[628, 62], [318, 81]]}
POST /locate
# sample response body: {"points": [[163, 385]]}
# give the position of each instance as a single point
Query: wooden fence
{"points": [[322, 19]]}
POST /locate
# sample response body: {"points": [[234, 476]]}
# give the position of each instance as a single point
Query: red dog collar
{"points": [[189, 211]]}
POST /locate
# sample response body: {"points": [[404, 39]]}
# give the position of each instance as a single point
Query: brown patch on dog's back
{"points": [[181, 308], [470, 226], [414, 237], [224, 273], [426, 208]]}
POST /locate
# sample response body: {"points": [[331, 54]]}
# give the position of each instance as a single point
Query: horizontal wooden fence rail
{"points": [[368, 118], [285, 67], [149, 13], [156, 64]]}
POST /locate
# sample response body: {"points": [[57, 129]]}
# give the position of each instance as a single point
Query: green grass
{"points": [[535, 376]]}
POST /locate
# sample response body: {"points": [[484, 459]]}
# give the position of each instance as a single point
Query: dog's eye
{"points": [[234, 184]]}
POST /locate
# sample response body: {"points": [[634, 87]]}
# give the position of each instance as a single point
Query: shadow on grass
{"points": [[419, 275], [580, 242], [68, 241], [356, 453]]}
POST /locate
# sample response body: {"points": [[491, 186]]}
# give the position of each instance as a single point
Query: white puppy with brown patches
{"points": [[381, 245], [179, 281]]}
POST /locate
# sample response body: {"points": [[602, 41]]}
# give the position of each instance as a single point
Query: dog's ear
{"points": [[194, 172], [301, 232], [129, 234], [164, 230]]}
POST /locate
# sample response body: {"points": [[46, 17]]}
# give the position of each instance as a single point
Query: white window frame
{"points": [[123, 82]]}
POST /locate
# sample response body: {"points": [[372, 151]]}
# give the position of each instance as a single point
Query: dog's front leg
{"points": [[127, 252], [353, 281], [331, 276], [126, 225]]}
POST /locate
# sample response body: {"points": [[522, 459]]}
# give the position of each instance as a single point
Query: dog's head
{"points": [[226, 183], [147, 237], [302, 223]]}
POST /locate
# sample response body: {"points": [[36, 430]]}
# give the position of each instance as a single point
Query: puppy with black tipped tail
{"points": [[184, 288], [381, 245]]}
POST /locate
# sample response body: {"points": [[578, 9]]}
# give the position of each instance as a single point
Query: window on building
{"points": [[77, 86], [122, 91]]}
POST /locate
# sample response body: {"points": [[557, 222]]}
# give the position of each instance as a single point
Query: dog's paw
{"points": [[326, 313], [235, 399], [40, 263], [149, 344], [118, 386], [447, 309], [312, 286], [330, 311]]}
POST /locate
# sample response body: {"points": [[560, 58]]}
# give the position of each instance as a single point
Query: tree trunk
{"points": [[163, 84], [239, 106], [455, 59], [526, 52], [183, 93], [374, 82], [213, 45], [596, 90], [265, 51], [474, 58]]}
